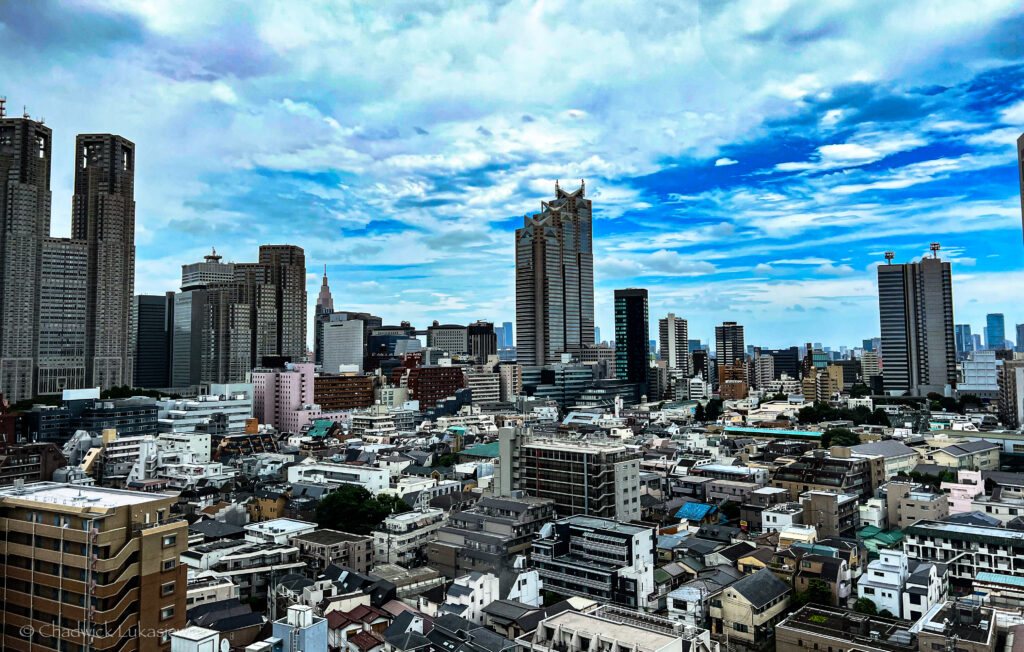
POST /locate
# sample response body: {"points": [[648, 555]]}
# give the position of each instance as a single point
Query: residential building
{"points": [[974, 455], [960, 494], [78, 555], [487, 537], [674, 340], [301, 630], [561, 383], [283, 396], [333, 474], [836, 470], [484, 385], [832, 514], [596, 558], [341, 392], [152, 327], [729, 346], [555, 279], [980, 375], [323, 547], [870, 366], [915, 303], [966, 549], [595, 477], [83, 410], [749, 609], [510, 381], [613, 628], [899, 458], [909, 502], [63, 300], [1011, 393], [632, 333], [403, 538], [432, 384]]}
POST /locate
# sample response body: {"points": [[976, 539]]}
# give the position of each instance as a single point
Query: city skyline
{"points": [[760, 194]]}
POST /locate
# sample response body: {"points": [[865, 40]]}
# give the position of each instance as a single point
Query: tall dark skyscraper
{"points": [[729, 343], [152, 327], [482, 340], [286, 265], [555, 279], [24, 223], [915, 306], [632, 337], [103, 216], [995, 331]]}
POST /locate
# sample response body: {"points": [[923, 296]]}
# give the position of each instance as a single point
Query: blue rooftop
{"points": [[695, 511], [1000, 578]]}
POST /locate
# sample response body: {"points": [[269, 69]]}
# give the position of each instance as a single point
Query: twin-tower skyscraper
{"points": [[66, 302]]}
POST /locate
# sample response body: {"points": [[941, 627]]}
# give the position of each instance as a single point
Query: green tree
{"points": [[969, 401], [713, 410], [354, 509], [885, 613], [699, 414], [865, 606], [730, 510], [839, 437], [860, 390], [781, 396], [451, 459], [817, 592]]}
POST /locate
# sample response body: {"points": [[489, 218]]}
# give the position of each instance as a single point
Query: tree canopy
{"points": [[839, 437], [865, 606], [860, 415], [818, 592], [354, 509]]}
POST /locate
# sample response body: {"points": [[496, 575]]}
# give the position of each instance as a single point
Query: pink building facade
{"points": [[283, 398], [967, 487]]}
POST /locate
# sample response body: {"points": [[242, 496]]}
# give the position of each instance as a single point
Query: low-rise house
{"points": [[324, 547], [750, 608]]}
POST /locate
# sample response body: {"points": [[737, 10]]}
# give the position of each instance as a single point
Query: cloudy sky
{"points": [[748, 161]]}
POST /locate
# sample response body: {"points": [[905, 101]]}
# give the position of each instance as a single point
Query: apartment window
{"points": [[170, 540], [166, 589], [167, 612], [168, 564]]}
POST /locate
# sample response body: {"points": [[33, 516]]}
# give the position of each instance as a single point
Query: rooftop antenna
{"points": [[24, 111], [935, 246], [3, 107], [889, 255]]}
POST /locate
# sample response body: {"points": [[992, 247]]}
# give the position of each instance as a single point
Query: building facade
{"points": [[632, 334], [915, 306], [555, 279]]}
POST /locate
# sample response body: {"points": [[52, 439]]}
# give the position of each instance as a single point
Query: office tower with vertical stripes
{"points": [[555, 279], [632, 330], [729, 343], [915, 306]]}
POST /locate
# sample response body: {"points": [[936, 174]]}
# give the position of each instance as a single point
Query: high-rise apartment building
{"points": [[555, 279], [729, 343], [1011, 393], [287, 270], [675, 348], [593, 477], [915, 304], [995, 331], [62, 309], [151, 334], [103, 215], [964, 341], [25, 219], [90, 569], [1020, 338], [632, 330], [450, 338]]}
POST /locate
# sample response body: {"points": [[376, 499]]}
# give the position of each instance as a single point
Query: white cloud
{"points": [[725, 161]]}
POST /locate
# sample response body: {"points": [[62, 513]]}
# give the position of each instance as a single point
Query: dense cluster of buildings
{"points": [[475, 486]]}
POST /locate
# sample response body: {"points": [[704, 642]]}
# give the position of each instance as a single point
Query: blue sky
{"points": [[748, 161]]}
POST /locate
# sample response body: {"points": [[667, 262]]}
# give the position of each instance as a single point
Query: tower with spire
{"points": [[324, 301]]}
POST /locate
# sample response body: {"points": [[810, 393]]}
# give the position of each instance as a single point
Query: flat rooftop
{"points": [[77, 496], [280, 526], [329, 537], [595, 626]]}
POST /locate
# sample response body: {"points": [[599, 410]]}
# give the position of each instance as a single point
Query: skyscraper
{"points": [[483, 341], [152, 329], [675, 348], [103, 215], [996, 331], [323, 310], [964, 341], [555, 279], [24, 223], [1020, 171], [915, 305], [632, 332], [506, 328], [729, 343], [287, 274], [1020, 337]]}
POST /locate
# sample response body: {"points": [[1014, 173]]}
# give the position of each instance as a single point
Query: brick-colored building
{"points": [[428, 385], [338, 392]]}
